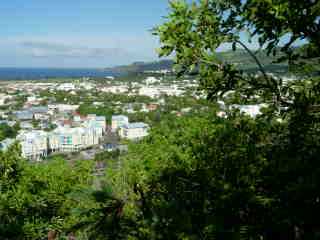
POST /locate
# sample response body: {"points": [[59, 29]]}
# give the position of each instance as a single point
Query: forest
{"points": [[199, 176]]}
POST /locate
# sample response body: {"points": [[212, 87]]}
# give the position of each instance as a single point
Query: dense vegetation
{"points": [[8, 132], [199, 176]]}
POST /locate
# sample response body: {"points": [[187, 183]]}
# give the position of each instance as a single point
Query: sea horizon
{"points": [[39, 73]]}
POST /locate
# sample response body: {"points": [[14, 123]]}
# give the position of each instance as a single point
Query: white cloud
{"points": [[76, 51], [49, 49]]}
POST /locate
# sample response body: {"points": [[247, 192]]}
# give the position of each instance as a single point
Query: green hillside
{"points": [[240, 57]]}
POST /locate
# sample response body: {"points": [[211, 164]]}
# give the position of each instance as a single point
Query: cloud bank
{"points": [[47, 49], [76, 51]]}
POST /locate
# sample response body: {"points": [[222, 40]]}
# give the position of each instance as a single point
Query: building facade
{"points": [[117, 121], [34, 144], [134, 131]]}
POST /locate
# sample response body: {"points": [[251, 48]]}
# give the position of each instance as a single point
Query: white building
{"points": [[66, 139], [62, 108], [134, 131], [31, 98], [34, 144], [3, 98], [96, 122], [251, 110], [66, 87], [41, 116], [87, 85], [6, 143], [172, 90], [115, 89], [149, 91], [118, 121], [151, 80]]}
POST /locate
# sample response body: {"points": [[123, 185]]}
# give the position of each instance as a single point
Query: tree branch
{"points": [[254, 58], [273, 85], [211, 63]]}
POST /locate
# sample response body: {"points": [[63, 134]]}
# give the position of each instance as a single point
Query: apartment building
{"points": [[67, 139], [118, 121], [134, 131], [34, 144], [72, 139]]}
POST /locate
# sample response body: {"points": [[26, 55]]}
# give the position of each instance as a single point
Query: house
{"points": [[9, 123], [67, 107], [6, 143], [34, 144], [186, 110], [3, 98], [151, 80], [222, 114], [39, 113], [149, 91], [66, 87], [41, 116], [26, 125], [52, 108], [134, 131], [87, 86], [24, 115], [31, 98], [3, 115], [78, 118], [118, 121], [39, 109], [115, 89], [251, 110]]}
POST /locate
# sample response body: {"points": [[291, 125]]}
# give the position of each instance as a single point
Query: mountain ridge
{"points": [[239, 57]]}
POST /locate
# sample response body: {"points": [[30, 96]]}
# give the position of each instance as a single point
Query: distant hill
{"points": [[245, 62], [138, 67], [239, 57]]}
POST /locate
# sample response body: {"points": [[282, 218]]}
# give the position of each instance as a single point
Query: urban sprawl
{"points": [[83, 115]]}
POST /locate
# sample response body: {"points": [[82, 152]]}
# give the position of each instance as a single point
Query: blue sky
{"points": [[78, 33]]}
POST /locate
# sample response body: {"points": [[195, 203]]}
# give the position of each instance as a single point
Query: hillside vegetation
{"points": [[239, 57]]}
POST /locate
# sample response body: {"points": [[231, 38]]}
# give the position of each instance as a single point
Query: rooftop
{"points": [[119, 117], [136, 125]]}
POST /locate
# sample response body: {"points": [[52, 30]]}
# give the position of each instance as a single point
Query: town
{"points": [[89, 116], [84, 115]]}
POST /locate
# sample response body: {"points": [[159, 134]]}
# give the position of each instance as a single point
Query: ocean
{"points": [[45, 73]]}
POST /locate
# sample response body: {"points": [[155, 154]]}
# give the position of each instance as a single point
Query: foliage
{"points": [[198, 176], [86, 109], [194, 31], [8, 132], [34, 198]]}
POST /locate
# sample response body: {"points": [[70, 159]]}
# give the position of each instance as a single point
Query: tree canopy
{"points": [[199, 176]]}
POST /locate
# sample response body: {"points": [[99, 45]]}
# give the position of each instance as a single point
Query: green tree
{"points": [[203, 177], [34, 197], [194, 31], [8, 132], [235, 178]]}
